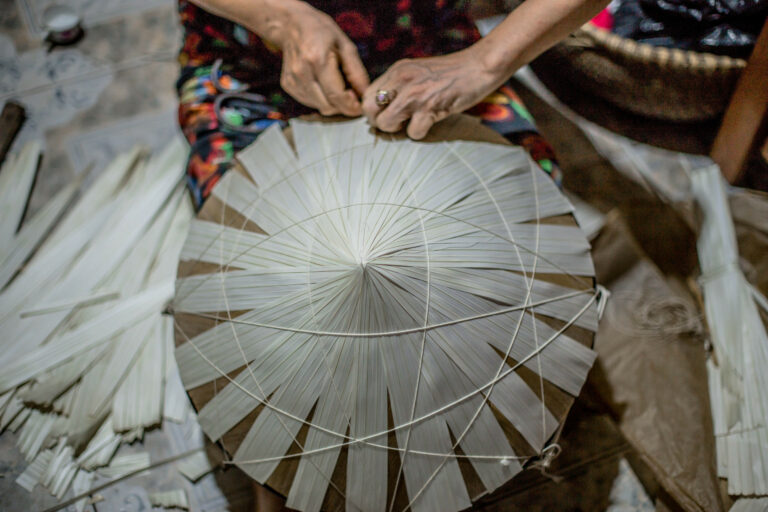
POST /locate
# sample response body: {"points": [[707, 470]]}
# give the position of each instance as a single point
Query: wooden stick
{"points": [[746, 116], [174, 458]]}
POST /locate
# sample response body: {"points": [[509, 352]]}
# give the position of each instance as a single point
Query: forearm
{"points": [[266, 18], [531, 29]]}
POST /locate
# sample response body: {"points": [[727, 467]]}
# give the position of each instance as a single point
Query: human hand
{"points": [[315, 52], [428, 90]]}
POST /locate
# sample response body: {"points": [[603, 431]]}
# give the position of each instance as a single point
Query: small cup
{"points": [[63, 25]]}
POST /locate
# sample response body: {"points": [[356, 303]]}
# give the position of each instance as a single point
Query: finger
{"points": [[392, 117], [323, 105], [420, 123], [332, 85], [353, 67], [370, 108], [297, 80], [309, 94]]}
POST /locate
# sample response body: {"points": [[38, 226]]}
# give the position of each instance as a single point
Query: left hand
{"points": [[428, 90]]}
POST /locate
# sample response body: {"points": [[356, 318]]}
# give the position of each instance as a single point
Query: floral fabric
{"points": [[229, 85]]}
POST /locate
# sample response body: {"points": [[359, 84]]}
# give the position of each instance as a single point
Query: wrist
{"points": [[496, 63], [272, 19]]}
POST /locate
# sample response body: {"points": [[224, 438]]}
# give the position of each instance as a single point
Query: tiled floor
{"points": [[111, 91], [121, 74]]}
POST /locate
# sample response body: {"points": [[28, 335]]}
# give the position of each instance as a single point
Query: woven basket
{"points": [[661, 83]]}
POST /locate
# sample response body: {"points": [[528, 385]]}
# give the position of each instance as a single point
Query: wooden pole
{"points": [[746, 117]]}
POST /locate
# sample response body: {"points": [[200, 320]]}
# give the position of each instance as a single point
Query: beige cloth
{"points": [[651, 354]]}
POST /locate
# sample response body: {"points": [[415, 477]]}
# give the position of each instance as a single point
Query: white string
{"points": [[366, 439], [401, 470], [256, 381], [417, 420], [526, 301], [760, 299], [248, 248], [527, 304], [412, 330]]}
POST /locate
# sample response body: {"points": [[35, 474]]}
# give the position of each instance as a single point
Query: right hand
{"points": [[315, 53]]}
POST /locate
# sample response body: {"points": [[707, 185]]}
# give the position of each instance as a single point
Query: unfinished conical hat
{"points": [[374, 324]]}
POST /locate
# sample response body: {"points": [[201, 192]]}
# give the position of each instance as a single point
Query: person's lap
{"points": [[229, 94]]}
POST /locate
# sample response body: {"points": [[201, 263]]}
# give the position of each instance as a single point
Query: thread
{"points": [[546, 454]]}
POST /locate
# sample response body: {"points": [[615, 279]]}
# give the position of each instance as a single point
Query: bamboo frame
{"points": [[347, 452]]}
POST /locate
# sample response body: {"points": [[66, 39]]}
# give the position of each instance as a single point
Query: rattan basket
{"points": [[661, 83]]}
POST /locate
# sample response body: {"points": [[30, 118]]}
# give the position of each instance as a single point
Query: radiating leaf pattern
{"points": [[387, 277]]}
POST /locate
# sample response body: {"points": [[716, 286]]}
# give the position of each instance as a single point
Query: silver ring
{"points": [[384, 97]]}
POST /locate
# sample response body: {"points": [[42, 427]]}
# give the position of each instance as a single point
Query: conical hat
{"points": [[372, 323]]}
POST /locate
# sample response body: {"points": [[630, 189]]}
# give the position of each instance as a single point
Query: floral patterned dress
{"points": [[229, 85]]}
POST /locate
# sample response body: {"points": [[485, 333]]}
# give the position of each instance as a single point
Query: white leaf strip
{"points": [[738, 380], [176, 498], [124, 314]]}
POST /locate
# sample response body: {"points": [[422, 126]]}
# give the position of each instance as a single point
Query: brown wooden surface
{"points": [[744, 122], [187, 326]]}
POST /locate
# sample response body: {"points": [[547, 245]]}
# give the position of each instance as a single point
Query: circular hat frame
{"points": [[366, 322]]}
